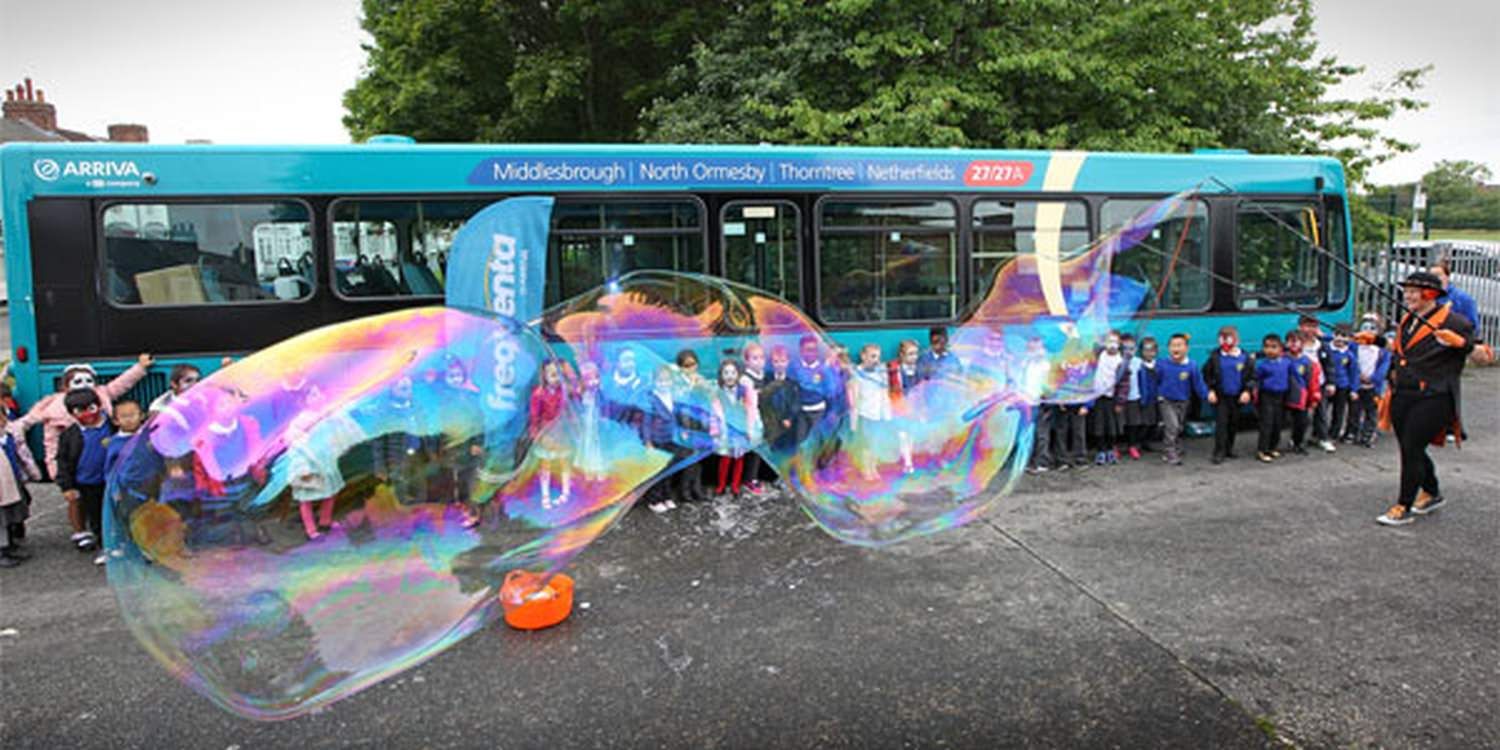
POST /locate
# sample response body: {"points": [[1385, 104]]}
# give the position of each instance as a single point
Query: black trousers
{"points": [[1338, 407], [1068, 426], [1041, 449], [1270, 409], [1418, 419], [91, 499], [1363, 414], [1298, 420], [1225, 414]]}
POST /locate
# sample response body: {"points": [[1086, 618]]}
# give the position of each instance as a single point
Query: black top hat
{"points": [[1423, 280]]}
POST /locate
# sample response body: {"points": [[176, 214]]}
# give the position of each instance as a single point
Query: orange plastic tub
{"points": [[531, 604]]}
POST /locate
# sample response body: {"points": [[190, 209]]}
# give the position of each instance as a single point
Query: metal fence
{"points": [[1474, 267]]}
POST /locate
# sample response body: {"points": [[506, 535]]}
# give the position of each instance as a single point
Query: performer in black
{"points": [[1428, 353]]}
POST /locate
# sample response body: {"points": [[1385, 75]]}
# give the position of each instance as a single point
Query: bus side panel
{"points": [[62, 272]]}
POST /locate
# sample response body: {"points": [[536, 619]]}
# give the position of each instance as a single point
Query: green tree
{"points": [[1151, 75], [482, 70]]}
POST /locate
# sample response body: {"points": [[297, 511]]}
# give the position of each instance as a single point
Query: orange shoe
{"points": [[1426, 503], [1396, 516]]}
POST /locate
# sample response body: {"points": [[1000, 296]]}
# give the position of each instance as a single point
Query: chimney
{"points": [[31, 106], [127, 133]]}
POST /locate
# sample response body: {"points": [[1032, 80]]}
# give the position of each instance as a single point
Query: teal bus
{"points": [[196, 252]]}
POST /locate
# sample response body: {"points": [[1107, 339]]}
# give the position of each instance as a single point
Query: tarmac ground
{"points": [[1242, 605]]}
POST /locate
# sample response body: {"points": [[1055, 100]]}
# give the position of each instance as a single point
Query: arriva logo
{"points": [[50, 170], [46, 169]]}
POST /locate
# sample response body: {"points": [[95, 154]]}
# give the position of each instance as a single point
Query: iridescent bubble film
{"points": [[342, 505], [339, 507]]}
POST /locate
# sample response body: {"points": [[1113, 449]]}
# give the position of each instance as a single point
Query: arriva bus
{"points": [[195, 252]]}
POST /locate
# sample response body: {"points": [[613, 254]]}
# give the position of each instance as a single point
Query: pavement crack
{"points": [[1133, 627]]}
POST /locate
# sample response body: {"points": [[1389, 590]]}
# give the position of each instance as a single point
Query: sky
{"points": [[274, 71]]}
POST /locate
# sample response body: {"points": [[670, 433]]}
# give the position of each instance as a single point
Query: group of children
{"points": [[1322, 388], [84, 427], [1318, 388]]}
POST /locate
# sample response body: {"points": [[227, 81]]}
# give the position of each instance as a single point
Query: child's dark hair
{"points": [[1343, 329], [1148, 340], [1271, 338], [686, 355], [181, 371], [1176, 336], [1229, 330], [1305, 319], [80, 398], [1293, 334], [1126, 337], [937, 331]]}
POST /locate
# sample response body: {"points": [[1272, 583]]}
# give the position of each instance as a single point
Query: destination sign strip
{"points": [[761, 172]]}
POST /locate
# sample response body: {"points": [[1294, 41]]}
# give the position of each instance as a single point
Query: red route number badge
{"points": [[998, 173]]}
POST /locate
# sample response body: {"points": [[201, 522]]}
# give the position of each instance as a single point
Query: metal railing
{"points": [[1474, 267]]}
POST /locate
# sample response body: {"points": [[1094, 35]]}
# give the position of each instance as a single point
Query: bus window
{"points": [[887, 260], [1337, 241], [762, 246], [395, 248], [595, 241], [206, 253], [1179, 244], [1273, 264], [1006, 229]]}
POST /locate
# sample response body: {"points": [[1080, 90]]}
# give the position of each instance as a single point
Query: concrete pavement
{"points": [[1242, 605]]}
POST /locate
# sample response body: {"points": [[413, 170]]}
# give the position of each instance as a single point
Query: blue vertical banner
{"points": [[498, 262]]}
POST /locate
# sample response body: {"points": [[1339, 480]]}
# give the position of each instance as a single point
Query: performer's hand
{"points": [[1245, 397], [1213, 398], [1354, 395], [1449, 338], [1330, 390], [71, 496], [145, 360], [1083, 411]]}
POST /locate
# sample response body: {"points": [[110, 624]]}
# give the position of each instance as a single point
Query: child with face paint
{"points": [[1305, 391], [52, 413], [1273, 379], [1341, 378], [81, 455], [1110, 387], [1230, 377], [1373, 364]]}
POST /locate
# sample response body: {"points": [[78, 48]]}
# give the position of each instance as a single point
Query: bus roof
{"points": [[98, 169]]}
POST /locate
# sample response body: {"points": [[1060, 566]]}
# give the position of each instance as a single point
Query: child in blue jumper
{"points": [[1340, 378], [1177, 379], [81, 454], [1273, 375], [1229, 378]]}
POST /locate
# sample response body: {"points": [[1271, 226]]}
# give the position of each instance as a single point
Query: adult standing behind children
{"points": [[1431, 346]]}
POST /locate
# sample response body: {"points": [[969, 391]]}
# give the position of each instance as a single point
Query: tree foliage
{"points": [[483, 70], [1149, 75]]}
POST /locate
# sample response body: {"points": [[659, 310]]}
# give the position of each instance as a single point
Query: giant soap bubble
{"points": [[340, 506]]}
